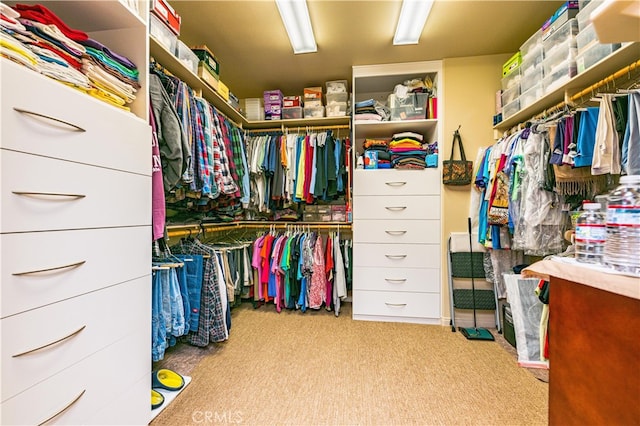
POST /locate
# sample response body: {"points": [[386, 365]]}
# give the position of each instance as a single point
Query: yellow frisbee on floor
{"points": [[156, 399], [167, 379]]}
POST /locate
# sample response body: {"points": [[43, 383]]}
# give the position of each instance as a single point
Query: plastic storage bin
{"points": [[584, 14], [336, 109], [531, 46], [511, 94], [563, 38], [314, 112], [594, 54], [186, 56], [337, 98], [533, 60], [413, 107], [336, 86], [563, 73], [530, 96], [552, 63], [531, 79], [291, 112], [511, 108], [511, 80], [161, 32]]}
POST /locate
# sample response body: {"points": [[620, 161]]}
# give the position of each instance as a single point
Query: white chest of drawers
{"points": [[397, 245], [75, 254]]}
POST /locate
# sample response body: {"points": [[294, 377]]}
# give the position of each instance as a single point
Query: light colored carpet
{"points": [[291, 368]]}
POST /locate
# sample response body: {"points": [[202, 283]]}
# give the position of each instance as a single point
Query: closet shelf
{"points": [[385, 129], [302, 122], [173, 64], [626, 55]]}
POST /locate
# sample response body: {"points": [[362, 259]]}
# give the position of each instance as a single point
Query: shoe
{"points": [[157, 399], [167, 379]]}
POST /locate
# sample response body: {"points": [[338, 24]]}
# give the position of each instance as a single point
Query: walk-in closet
{"points": [[319, 212]]}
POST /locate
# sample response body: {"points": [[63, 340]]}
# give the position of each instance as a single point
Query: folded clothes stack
{"points": [[37, 38], [381, 147], [407, 152], [371, 110]]}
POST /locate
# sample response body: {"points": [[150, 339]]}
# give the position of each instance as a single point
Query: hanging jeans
{"points": [[175, 302], [181, 273], [158, 329], [193, 266]]}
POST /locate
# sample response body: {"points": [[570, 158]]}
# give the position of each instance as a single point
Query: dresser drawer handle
{"points": [[65, 408], [75, 333], [396, 232], [396, 209], [395, 256], [396, 305], [48, 194], [396, 280], [74, 128], [395, 183], [55, 268]]}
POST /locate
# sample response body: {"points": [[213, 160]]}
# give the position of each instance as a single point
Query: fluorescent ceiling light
{"points": [[413, 16], [295, 17]]}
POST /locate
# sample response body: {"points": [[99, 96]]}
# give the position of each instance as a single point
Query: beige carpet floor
{"points": [[291, 368]]}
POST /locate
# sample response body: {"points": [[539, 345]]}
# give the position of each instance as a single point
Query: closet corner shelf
{"points": [[622, 57], [173, 64]]}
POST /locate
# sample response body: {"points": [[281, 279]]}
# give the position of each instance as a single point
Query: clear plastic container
{"points": [[586, 38], [531, 46], [510, 95], [511, 108], [566, 34], [594, 54], [561, 76], [511, 80], [622, 246], [558, 60], [591, 234], [584, 14], [531, 62], [531, 79], [532, 95]]}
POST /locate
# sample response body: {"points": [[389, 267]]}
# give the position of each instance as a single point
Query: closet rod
{"points": [[609, 79], [194, 229]]}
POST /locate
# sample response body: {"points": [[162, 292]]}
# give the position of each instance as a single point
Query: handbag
{"points": [[457, 172]]}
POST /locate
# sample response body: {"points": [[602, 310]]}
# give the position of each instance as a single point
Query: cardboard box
{"points": [[272, 96], [565, 12], [207, 56], [223, 90], [207, 77], [292, 101], [162, 10], [313, 103], [313, 93]]}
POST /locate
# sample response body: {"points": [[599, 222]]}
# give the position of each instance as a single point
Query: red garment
{"points": [[265, 254], [74, 62], [39, 13], [308, 170]]}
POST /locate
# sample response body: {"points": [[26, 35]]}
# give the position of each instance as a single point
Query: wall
{"points": [[470, 86]]}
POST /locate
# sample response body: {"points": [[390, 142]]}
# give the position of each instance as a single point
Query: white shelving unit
{"points": [[396, 213]]}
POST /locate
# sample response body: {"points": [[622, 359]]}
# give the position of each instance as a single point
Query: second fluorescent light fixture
{"points": [[413, 16], [295, 17]]}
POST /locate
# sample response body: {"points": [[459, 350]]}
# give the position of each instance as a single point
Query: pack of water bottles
{"points": [[611, 236]]}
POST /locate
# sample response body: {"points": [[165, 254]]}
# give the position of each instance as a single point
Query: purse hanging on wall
{"points": [[457, 172]]}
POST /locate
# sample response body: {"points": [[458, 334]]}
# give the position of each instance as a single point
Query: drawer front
{"points": [[102, 317], [400, 207], [399, 304], [111, 137], [131, 407], [421, 280], [397, 231], [91, 383], [396, 255], [67, 268], [85, 196], [396, 182]]}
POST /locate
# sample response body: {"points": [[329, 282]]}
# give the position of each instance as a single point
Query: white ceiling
{"points": [[251, 44]]}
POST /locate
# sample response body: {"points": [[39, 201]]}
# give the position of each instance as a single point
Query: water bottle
{"points": [[591, 232], [622, 246]]}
